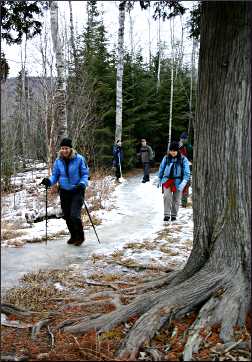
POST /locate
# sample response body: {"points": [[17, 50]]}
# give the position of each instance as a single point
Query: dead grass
{"points": [[99, 190], [9, 231]]}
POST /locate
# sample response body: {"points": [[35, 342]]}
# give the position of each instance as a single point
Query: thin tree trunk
{"points": [[60, 114], [179, 62], [192, 86], [119, 73], [72, 34], [159, 54], [172, 80], [149, 37]]}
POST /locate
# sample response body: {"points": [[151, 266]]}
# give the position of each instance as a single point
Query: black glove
{"points": [[46, 182], [80, 187]]}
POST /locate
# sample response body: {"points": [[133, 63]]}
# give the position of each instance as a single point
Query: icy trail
{"points": [[137, 217]]}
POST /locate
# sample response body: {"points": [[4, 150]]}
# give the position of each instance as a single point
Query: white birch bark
{"points": [[172, 79], [60, 94], [119, 73], [72, 34], [149, 36], [159, 54]]}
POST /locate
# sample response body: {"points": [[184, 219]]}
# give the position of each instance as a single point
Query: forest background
{"points": [[160, 72]]}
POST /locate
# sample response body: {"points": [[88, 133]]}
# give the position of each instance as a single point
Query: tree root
{"points": [[37, 327], [14, 324], [207, 289], [12, 309], [204, 319], [13, 357], [143, 330], [154, 284], [155, 354], [143, 267]]}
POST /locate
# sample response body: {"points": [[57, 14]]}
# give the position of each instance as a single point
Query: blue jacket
{"points": [[77, 169], [117, 152], [180, 169]]}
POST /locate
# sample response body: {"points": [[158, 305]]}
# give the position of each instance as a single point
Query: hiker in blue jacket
{"points": [[70, 170], [118, 158], [174, 173]]}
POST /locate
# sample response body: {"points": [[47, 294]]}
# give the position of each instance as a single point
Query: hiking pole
{"points": [[91, 222], [120, 166], [46, 214]]}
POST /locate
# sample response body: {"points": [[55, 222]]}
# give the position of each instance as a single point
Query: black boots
{"points": [[71, 230], [76, 231]]}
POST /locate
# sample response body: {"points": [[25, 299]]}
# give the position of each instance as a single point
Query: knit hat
{"points": [[183, 136], [174, 146], [66, 142]]}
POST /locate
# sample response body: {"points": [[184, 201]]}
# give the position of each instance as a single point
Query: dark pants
{"points": [[118, 172], [71, 204], [146, 167]]}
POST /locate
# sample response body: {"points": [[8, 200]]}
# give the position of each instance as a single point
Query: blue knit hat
{"points": [[183, 136]]}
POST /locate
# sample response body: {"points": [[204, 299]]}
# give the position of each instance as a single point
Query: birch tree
{"points": [[119, 71], [172, 79], [159, 54], [72, 40], [59, 126]]}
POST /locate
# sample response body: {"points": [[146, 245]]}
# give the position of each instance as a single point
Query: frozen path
{"points": [[137, 215]]}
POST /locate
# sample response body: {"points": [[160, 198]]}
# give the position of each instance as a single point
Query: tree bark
{"points": [[119, 73], [72, 34], [192, 86], [60, 115], [159, 54], [222, 197], [172, 80]]}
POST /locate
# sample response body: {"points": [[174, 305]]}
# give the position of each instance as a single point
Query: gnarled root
{"points": [[206, 289]]}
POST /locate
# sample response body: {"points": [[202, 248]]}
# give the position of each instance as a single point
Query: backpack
{"points": [[181, 162]]}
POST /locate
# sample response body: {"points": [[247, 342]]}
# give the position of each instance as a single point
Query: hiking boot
{"points": [[70, 241], [167, 218], [143, 181], [81, 238], [78, 242], [173, 218]]}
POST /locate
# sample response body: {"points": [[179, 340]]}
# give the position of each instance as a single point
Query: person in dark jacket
{"points": [[185, 149], [146, 155], [174, 173], [70, 170], [118, 158]]}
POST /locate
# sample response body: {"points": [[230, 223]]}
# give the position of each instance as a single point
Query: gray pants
{"points": [[146, 167], [171, 202]]}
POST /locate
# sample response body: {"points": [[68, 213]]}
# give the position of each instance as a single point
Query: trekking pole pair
{"points": [[46, 216]]}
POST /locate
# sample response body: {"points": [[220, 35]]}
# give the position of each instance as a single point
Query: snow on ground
{"points": [[22, 207], [143, 238], [132, 233]]}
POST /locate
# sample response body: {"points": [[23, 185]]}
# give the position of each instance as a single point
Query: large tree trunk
{"points": [[60, 116], [221, 197], [119, 73], [216, 278]]}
